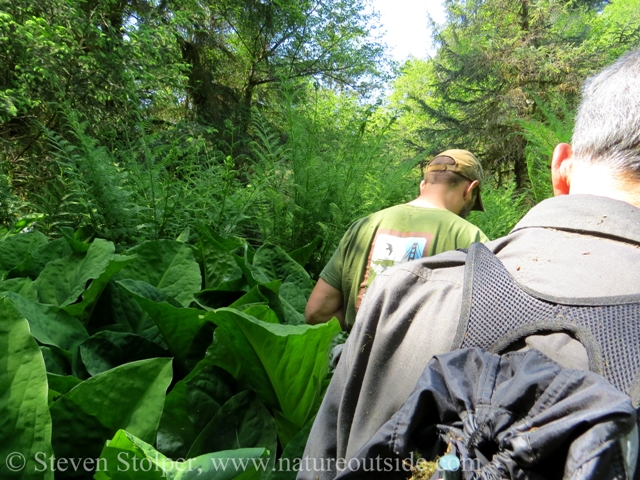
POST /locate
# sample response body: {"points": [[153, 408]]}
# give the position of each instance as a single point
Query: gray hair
{"points": [[607, 128]]}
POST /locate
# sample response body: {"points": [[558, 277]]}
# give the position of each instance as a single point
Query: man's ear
{"points": [[561, 165], [422, 185], [469, 190]]}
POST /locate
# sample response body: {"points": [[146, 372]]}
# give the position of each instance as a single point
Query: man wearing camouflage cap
{"points": [[430, 224]]}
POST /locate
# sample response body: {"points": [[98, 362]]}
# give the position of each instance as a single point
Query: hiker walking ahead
{"points": [[582, 244], [432, 223]]}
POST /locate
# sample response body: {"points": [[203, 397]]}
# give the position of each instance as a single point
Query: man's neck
{"points": [[600, 181], [424, 203], [438, 196]]}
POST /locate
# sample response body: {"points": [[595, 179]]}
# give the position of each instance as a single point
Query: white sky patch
{"points": [[405, 23]]}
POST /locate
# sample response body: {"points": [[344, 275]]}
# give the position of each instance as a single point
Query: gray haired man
{"points": [[583, 243]]}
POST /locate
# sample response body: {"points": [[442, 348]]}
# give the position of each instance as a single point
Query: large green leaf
{"points": [[63, 281], [23, 286], [74, 241], [127, 397], [207, 390], [178, 326], [25, 423], [117, 308], [38, 258], [56, 361], [17, 249], [242, 422], [62, 383], [261, 312], [189, 407], [167, 265], [84, 308], [293, 453], [287, 430], [106, 350], [284, 364], [212, 299], [218, 263], [303, 254], [235, 245], [295, 297], [129, 458], [291, 315], [302, 281], [266, 294], [276, 264], [50, 325], [176, 432], [253, 275]]}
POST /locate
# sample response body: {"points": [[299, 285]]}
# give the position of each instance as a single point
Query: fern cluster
{"points": [[309, 170], [326, 166]]}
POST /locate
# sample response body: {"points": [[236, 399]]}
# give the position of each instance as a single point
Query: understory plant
{"points": [[156, 362], [328, 168]]}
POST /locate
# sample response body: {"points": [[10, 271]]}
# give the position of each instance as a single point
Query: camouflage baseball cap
{"points": [[465, 164]]}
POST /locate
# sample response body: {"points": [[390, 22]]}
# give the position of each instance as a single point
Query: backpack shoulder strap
{"points": [[497, 311]]}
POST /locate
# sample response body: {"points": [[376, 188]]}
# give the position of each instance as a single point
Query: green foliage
{"points": [[84, 187], [178, 326], [169, 266], [62, 281], [84, 54], [240, 51], [242, 422], [16, 250], [23, 404], [615, 30], [244, 378], [137, 120], [252, 350], [181, 179], [244, 130], [11, 206], [542, 137], [125, 451], [500, 65], [51, 325], [192, 403], [504, 207], [129, 397], [106, 350], [109, 109], [331, 169]]}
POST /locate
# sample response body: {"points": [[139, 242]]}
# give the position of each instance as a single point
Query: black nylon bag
{"points": [[513, 416]]}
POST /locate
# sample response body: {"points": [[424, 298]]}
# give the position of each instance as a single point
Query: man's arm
{"points": [[324, 303]]}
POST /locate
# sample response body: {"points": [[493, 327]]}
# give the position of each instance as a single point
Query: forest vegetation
{"points": [[174, 168], [278, 121]]}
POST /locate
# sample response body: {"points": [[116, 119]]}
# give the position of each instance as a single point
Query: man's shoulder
{"points": [[441, 215], [377, 217], [392, 210], [466, 226]]}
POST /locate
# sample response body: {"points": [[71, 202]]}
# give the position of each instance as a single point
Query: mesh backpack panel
{"points": [[497, 312]]}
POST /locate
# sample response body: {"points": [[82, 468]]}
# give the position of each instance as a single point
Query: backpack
{"points": [[518, 415]]}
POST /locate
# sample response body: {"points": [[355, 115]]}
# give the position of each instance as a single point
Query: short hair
{"points": [[607, 127], [452, 179]]}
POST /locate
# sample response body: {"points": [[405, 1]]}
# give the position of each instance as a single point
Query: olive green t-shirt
{"points": [[389, 237]]}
